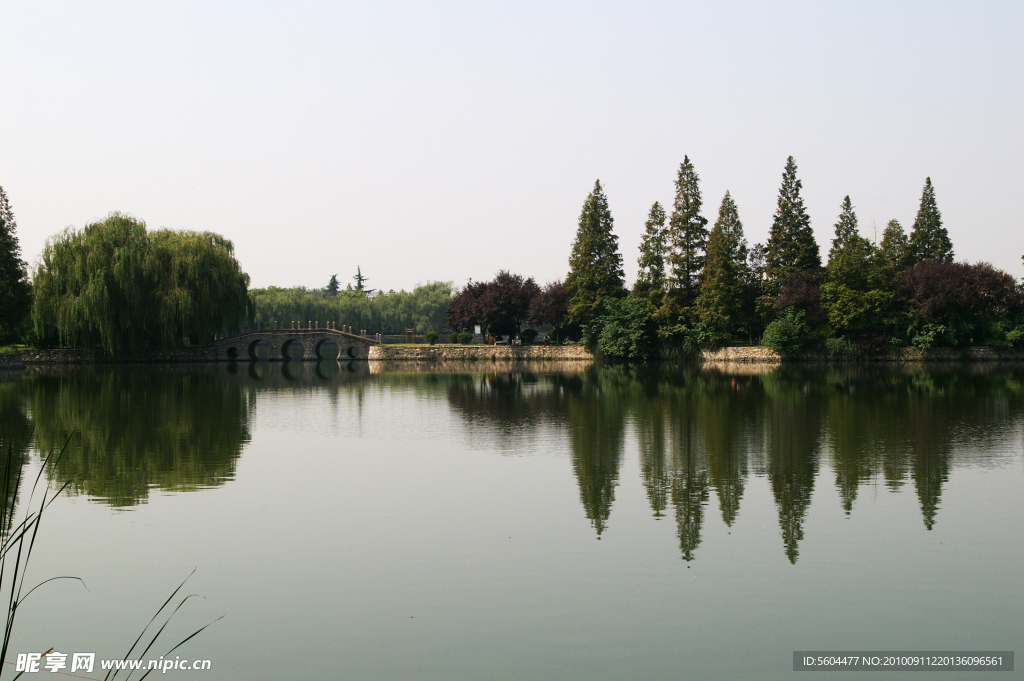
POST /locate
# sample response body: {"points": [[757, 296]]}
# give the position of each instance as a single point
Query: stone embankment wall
{"points": [[69, 356], [11, 362], [463, 353], [761, 355]]}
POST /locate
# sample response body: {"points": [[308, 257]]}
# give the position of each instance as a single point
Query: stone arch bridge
{"points": [[284, 344]]}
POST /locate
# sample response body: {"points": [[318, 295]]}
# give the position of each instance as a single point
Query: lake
{"points": [[528, 521]]}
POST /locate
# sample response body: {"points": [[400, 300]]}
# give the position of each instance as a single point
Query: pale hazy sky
{"points": [[441, 141]]}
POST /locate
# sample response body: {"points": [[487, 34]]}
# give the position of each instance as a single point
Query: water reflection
{"points": [[137, 429], [696, 431], [703, 430], [15, 438]]}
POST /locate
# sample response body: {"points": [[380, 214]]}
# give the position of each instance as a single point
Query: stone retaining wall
{"points": [[11, 362], [504, 353], [70, 356], [463, 353]]}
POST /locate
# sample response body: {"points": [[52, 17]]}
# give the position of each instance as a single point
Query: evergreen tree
{"points": [[722, 280], [929, 240], [650, 280], [687, 234], [595, 265], [332, 286], [849, 260], [892, 257], [361, 281], [14, 287], [791, 244]]}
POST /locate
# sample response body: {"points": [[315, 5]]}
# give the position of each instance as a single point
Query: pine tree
{"points": [[332, 286], [650, 279], [849, 260], [360, 279], [892, 255], [595, 265], [15, 292], [687, 234], [791, 245], [722, 280], [929, 240]]}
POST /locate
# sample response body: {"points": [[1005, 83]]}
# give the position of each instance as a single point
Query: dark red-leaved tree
{"points": [[550, 305], [506, 302], [940, 290], [800, 290], [499, 306], [465, 311]]}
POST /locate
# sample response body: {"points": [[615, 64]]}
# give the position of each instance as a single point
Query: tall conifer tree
{"points": [[595, 265], [791, 245], [929, 240], [892, 257], [721, 283], [687, 234], [650, 279], [849, 259], [14, 287]]}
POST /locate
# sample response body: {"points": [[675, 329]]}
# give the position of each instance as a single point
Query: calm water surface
{"points": [[539, 521]]}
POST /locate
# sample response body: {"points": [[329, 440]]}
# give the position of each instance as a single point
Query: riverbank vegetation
{"points": [[700, 287], [116, 286]]}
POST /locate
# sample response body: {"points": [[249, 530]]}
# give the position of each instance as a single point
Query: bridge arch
{"points": [[255, 346], [293, 349], [327, 349]]}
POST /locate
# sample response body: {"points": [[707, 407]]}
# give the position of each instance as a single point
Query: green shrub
{"points": [[529, 336], [789, 334], [430, 337], [626, 332]]}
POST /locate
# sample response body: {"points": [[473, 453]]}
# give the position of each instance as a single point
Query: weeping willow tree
{"points": [[116, 286]]}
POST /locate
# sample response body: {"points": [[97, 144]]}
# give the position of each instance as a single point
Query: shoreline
{"points": [[531, 353]]}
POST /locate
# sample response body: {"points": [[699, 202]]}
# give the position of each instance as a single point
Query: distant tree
{"points": [[722, 282], [15, 291], [465, 310], [687, 234], [929, 240], [332, 286], [791, 245], [361, 282], [595, 265], [849, 260], [500, 306], [505, 302], [891, 258], [550, 305], [650, 279]]}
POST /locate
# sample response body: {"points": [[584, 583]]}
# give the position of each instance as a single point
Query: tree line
{"points": [[699, 287], [423, 308]]}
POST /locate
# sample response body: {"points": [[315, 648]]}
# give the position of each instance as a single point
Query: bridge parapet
{"points": [[284, 344]]}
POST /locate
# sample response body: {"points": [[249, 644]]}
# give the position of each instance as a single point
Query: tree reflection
{"points": [[136, 429], [15, 436], [595, 409], [792, 432]]}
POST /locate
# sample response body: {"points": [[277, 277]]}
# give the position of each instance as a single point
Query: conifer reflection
{"points": [[792, 433], [595, 409], [136, 429], [15, 435]]}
